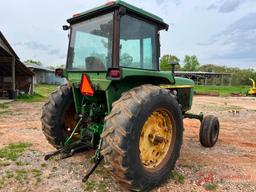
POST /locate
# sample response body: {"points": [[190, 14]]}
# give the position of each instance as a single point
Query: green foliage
{"points": [[33, 62], [13, 151], [177, 177], [166, 60], [191, 63]]}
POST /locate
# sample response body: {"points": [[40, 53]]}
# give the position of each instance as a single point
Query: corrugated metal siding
{"points": [[48, 77]]}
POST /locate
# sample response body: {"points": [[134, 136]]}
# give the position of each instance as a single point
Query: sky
{"points": [[219, 32]]}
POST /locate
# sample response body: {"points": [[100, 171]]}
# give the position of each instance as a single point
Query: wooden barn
{"points": [[15, 77]]}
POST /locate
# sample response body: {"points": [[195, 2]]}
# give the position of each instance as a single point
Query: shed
{"points": [[206, 78], [44, 75], [15, 77]]}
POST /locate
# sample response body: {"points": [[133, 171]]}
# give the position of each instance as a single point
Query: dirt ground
{"points": [[229, 166]]}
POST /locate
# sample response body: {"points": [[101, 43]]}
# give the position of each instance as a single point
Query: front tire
{"points": [[142, 122], [209, 131]]}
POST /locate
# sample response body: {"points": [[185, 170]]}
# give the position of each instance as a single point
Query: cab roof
{"points": [[117, 4]]}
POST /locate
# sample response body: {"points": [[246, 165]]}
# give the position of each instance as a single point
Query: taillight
{"points": [[59, 72], [114, 73], [86, 87]]}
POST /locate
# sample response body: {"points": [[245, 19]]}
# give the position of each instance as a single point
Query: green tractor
{"points": [[117, 101]]}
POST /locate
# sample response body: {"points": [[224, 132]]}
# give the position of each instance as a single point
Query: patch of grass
{"points": [[177, 177], [37, 174], [4, 163], [42, 91], [43, 165], [9, 174], [2, 180], [13, 151], [4, 109], [6, 112], [210, 187], [21, 175], [3, 106], [222, 90], [91, 186], [20, 163], [30, 98]]}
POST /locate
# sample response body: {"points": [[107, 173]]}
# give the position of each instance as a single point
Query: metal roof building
{"points": [[206, 78], [15, 77], [44, 75]]}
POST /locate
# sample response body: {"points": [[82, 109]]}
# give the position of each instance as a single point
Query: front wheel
{"points": [[209, 131], [142, 137]]}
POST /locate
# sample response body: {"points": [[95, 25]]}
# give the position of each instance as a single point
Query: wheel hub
{"points": [[156, 138]]}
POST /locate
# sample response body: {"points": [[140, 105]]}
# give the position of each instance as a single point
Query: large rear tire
{"points": [[142, 137], [58, 116]]}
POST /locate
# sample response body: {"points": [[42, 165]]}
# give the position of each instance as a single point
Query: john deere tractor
{"points": [[117, 101]]}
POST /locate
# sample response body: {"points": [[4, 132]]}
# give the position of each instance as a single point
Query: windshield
{"points": [[137, 44], [90, 46]]}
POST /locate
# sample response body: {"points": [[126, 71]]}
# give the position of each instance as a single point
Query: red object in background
{"points": [[86, 87]]}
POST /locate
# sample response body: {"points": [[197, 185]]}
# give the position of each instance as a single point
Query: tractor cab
{"points": [[113, 36]]}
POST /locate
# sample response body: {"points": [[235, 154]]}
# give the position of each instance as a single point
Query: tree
{"points": [[166, 60], [191, 63], [33, 62]]}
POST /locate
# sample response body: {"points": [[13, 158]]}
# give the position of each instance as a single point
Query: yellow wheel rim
{"points": [[156, 138]]}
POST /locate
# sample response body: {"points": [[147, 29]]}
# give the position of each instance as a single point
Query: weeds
{"points": [[21, 175], [37, 174], [13, 151], [210, 186], [4, 163], [177, 177], [3, 106], [91, 186]]}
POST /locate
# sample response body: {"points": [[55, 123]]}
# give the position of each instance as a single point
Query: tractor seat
{"points": [[94, 64]]}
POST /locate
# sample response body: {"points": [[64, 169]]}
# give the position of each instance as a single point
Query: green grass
{"points": [[4, 109], [44, 90], [41, 93], [222, 90], [4, 163], [91, 186], [3, 106], [176, 176], [37, 174], [13, 151], [210, 186], [21, 175]]}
